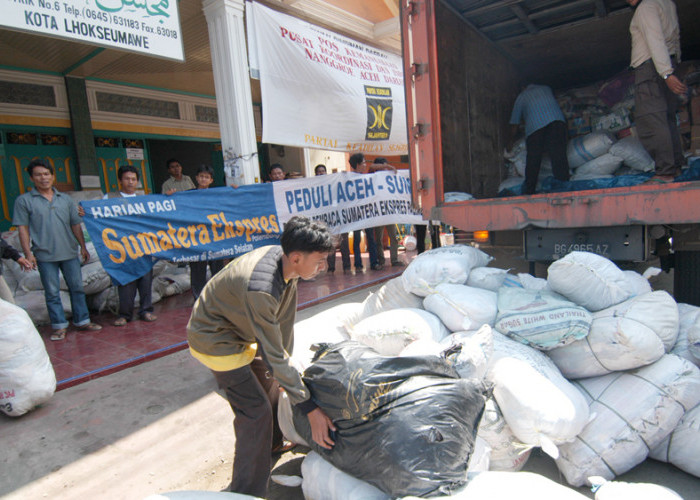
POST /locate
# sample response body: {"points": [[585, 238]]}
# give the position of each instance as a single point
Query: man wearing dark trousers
{"points": [[242, 328], [545, 132], [656, 51], [128, 183], [342, 239], [359, 165]]}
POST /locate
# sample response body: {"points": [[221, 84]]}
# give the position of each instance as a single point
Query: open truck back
{"points": [[463, 62]]}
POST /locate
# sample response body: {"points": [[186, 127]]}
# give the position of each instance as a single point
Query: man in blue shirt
{"points": [[50, 219], [545, 131]]}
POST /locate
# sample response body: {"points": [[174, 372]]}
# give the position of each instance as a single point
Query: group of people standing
{"points": [[656, 52], [374, 237]]}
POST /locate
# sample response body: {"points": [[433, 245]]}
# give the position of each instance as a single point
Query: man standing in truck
{"points": [[656, 51], [545, 131]]}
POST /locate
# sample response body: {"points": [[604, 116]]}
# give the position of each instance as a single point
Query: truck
{"points": [[463, 61]]}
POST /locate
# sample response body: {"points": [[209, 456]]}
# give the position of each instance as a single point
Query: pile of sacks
{"points": [[590, 365], [598, 155], [168, 279]]}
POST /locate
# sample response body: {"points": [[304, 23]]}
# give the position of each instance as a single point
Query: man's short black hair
{"points": [[276, 165], [356, 159], [380, 161], [38, 163], [171, 160], [304, 235], [205, 169], [127, 168]]}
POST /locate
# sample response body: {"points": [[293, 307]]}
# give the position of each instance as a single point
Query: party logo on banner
{"points": [[379, 110]]}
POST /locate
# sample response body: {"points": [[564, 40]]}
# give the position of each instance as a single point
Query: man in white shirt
{"points": [[656, 51]]}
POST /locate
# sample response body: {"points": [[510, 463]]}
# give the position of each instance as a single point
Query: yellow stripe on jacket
{"points": [[228, 362]]}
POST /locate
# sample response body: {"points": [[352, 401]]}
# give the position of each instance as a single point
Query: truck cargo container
{"points": [[463, 60]]}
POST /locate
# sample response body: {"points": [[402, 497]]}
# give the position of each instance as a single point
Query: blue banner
{"points": [[189, 226]]}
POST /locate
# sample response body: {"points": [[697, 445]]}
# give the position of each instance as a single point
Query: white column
{"points": [[233, 97]]}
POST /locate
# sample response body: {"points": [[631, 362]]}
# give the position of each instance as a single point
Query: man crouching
{"points": [[242, 328]]}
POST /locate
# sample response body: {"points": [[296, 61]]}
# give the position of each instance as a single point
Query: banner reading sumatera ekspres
{"points": [[189, 226]]}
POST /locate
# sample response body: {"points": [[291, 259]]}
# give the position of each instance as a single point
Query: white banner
{"points": [[146, 26], [348, 201], [323, 90]]}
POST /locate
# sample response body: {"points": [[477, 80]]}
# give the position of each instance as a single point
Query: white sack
{"points": [[323, 481], [602, 166], [541, 407], [587, 147], [35, 305], [634, 333], [423, 347], [541, 319], [285, 418], [588, 280], [31, 282], [27, 378], [618, 490], [690, 325], [636, 284], [390, 332], [507, 453], [495, 485], [95, 278], [392, 295], [167, 284], [480, 459], [633, 154], [462, 307], [682, 446], [511, 182], [327, 327], [529, 282], [633, 412], [450, 264], [470, 352], [488, 278]]}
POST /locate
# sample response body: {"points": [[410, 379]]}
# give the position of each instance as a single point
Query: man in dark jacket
{"points": [[242, 328], [7, 251]]}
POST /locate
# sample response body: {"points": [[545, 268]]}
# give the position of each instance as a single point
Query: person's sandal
{"points": [[119, 322], [90, 327], [149, 317], [59, 334], [284, 447]]}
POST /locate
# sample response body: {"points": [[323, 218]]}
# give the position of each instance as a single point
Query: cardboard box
{"points": [[617, 120]]}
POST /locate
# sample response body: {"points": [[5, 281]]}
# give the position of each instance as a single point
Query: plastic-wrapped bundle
{"points": [[391, 331], [462, 307], [598, 167], [633, 154], [450, 264], [27, 378], [682, 446], [588, 280], [634, 333], [405, 425], [634, 411], [541, 407], [541, 319]]}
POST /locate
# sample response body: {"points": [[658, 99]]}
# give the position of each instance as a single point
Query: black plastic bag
{"points": [[406, 425]]}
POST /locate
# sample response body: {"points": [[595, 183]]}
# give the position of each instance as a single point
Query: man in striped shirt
{"points": [[545, 130]]}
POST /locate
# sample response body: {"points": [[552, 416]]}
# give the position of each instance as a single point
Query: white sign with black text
{"points": [[145, 26]]}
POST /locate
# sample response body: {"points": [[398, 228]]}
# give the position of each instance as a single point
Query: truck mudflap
{"points": [[675, 203]]}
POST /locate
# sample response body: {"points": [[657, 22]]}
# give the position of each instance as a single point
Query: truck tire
{"points": [[686, 277]]}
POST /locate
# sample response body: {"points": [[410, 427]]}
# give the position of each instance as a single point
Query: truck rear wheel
{"points": [[686, 277]]}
